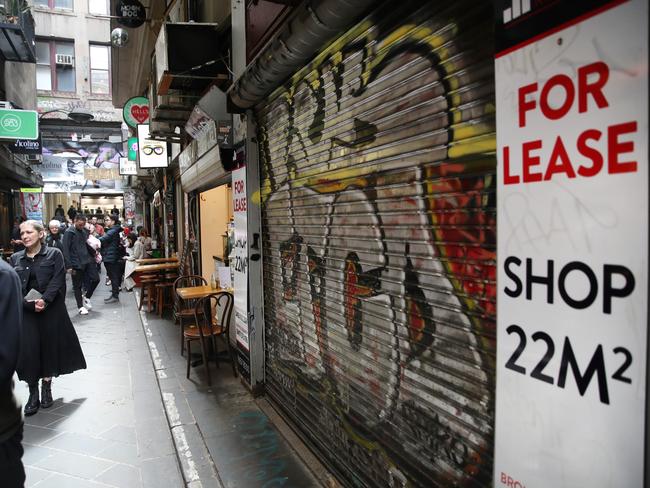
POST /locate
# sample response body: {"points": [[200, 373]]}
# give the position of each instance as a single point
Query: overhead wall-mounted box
{"points": [[187, 57]]}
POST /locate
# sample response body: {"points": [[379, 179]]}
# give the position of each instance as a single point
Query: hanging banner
{"points": [[132, 145], [31, 201], [240, 256], [572, 129]]}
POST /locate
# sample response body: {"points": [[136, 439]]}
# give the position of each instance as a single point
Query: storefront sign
{"points": [[95, 174], [132, 144], [18, 124], [26, 146], [240, 256], [130, 13], [151, 153], [136, 111], [128, 167], [572, 129], [31, 201]]}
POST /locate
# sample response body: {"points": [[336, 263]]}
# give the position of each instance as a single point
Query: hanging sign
{"points": [[151, 153], [132, 144], [128, 167], [27, 146], [18, 124], [136, 111], [130, 13], [572, 129]]}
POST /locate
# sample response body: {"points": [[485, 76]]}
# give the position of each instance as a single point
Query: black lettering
{"points": [[518, 286], [618, 375], [593, 285], [550, 350], [596, 366], [608, 271], [542, 280], [512, 362]]}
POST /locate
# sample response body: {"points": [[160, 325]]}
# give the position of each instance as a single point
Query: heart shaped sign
{"points": [[136, 111], [140, 113]]}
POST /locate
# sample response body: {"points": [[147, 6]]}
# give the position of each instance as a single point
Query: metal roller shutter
{"points": [[378, 208]]}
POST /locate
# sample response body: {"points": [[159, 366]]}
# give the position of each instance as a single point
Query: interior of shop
{"points": [[100, 205], [216, 214]]}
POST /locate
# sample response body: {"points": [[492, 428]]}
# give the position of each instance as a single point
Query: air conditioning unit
{"points": [[65, 60], [33, 158]]}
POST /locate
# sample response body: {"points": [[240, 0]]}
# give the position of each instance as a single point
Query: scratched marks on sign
{"points": [[378, 197]]}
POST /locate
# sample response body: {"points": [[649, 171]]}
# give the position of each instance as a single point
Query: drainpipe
{"points": [[313, 25]]}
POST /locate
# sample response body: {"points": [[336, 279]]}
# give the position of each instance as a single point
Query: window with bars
{"points": [[55, 66], [100, 69]]}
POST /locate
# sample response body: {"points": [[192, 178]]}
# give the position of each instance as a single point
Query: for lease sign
{"points": [[572, 133]]}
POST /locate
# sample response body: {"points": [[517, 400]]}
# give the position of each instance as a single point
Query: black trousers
{"points": [[114, 271], [11, 465], [86, 277]]}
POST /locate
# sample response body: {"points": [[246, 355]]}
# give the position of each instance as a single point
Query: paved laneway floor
{"points": [[132, 419], [107, 426]]}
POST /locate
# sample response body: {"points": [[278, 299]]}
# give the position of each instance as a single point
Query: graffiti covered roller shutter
{"points": [[378, 197]]}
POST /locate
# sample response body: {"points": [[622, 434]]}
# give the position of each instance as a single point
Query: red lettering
{"points": [[526, 105], [508, 179], [559, 162], [589, 152], [595, 89], [510, 480], [530, 160], [564, 82], [616, 148], [503, 478]]}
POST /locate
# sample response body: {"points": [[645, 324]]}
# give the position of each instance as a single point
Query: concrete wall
{"points": [[82, 28], [20, 84]]}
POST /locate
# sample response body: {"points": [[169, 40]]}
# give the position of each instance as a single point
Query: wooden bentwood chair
{"points": [[184, 309], [212, 316]]}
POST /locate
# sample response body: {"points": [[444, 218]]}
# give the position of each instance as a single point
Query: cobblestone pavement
{"points": [[133, 420]]}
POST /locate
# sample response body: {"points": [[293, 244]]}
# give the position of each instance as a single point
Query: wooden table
{"points": [[194, 292], [156, 260], [154, 268]]}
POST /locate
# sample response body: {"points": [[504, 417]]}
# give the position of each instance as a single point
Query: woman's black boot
{"points": [[33, 403], [46, 394]]}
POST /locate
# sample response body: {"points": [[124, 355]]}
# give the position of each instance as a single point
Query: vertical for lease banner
{"points": [[572, 141]]}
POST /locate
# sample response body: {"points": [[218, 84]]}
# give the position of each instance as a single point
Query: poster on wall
{"points": [[240, 256], [151, 153], [572, 128], [128, 167], [31, 201]]}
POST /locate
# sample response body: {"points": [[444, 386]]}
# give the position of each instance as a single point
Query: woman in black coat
{"points": [[49, 346]]}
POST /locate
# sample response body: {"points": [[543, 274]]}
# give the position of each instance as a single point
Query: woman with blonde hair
{"points": [[49, 346]]}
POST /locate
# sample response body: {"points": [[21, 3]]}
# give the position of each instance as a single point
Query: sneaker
{"points": [[108, 282], [83, 311], [111, 300], [87, 303]]}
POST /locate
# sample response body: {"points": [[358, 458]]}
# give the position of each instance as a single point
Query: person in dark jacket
{"points": [[80, 262], [112, 257], [11, 422], [55, 237], [49, 346], [72, 212], [16, 243]]}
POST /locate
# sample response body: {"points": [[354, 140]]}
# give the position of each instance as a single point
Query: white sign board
{"points": [[128, 167], [240, 256], [151, 153], [572, 130]]}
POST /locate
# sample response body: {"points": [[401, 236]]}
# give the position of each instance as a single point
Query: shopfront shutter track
{"points": [[379, 224]]}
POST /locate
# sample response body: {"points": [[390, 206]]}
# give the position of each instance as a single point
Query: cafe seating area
{"points": [[203, 312]]}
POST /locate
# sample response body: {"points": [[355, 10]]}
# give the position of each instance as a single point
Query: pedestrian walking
{"points": [[80, 262], [49, 345], [11, 422], [112, 256], [16, 243], [55, 237]]}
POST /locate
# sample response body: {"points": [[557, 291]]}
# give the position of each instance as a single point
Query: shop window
{"points": [[100, 73], [55, 62], [55, 4], [98, 7]]}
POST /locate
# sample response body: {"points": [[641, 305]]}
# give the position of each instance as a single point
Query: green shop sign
{"points": [[133, 148], [18, 124]]}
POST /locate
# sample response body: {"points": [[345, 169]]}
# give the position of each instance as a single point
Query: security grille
{"points": [[378, 208]]}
